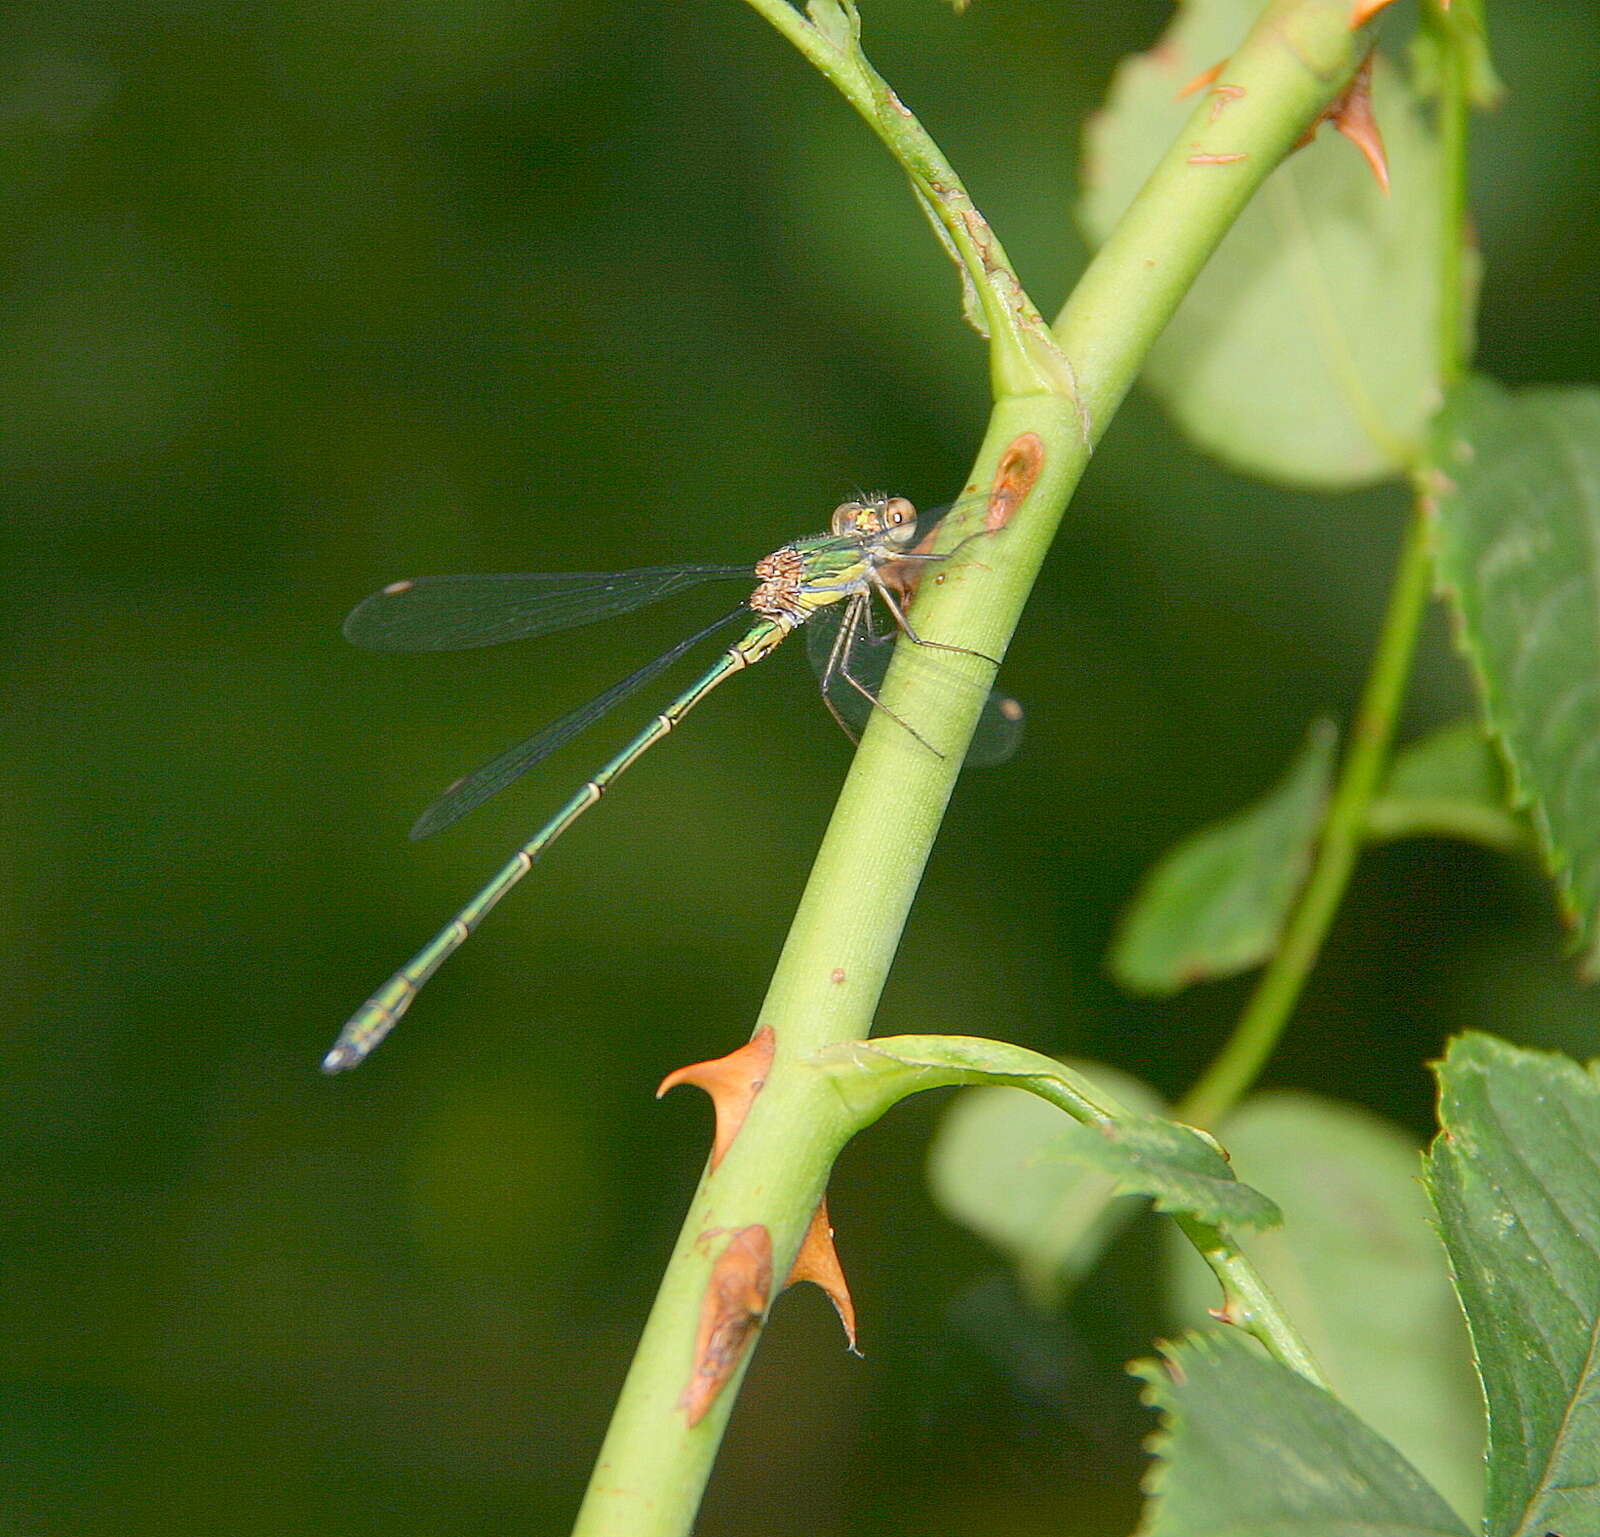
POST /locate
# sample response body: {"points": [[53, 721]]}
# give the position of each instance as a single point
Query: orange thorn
{"points": [[1014, 476], [818, 1262], [1362, 11], [735, 1302], [1353, 117], [1200, 81], [732, 1082], [1351, 114]]}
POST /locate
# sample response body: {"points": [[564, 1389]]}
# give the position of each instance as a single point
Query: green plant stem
{"points": [[1247, 1302], [653, 1465], [1455, 112], [1345, 827], [1263, 1021]]}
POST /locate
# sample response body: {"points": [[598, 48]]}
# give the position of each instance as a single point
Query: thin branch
{"points": [[1023, 356], [847, 927], [1348, 820]]}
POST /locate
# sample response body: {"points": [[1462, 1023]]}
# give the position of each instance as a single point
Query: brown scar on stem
{"points": [[1225, 94], [1014, 477], [1223, 97], [1216, 159], [818, 1262], [1351, 114], [735, 1302], [732, 1082]]}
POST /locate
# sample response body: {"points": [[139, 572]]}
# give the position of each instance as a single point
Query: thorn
{"points": [[1362, 11], [1353, 117], [735, 1302], [1351, 114], [1202, 80], [732, 1082], [818, 1262]]}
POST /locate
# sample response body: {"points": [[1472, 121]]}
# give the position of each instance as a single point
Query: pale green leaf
{"points": [[1360, 1270], [1515, 1175], [1305, 351], [1216, 904], [1052, 1220], [1448, 784], [1518, 542], [1248, 1448]]}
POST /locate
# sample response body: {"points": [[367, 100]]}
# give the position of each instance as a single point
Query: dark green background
{"points": [[299, 298]]}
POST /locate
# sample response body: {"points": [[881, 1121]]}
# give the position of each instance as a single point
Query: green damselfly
{"points": [[827, 583]]}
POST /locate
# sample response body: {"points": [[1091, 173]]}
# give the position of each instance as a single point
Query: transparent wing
{"points": [[1000, 723], [454, 613], [472, 791]]}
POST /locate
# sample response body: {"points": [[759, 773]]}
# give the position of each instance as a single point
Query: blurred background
{"points": [[299, 299]]}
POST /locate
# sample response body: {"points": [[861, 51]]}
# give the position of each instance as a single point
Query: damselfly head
{"points": [[876, 517]]}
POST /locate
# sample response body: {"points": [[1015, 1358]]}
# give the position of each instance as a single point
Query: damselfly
{"points": [[828, 582]]}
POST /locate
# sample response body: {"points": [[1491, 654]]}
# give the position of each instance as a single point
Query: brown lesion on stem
{"points": [[736, 1298], [732, 1082], [1019, 467], [818, 1262], [1014, 476]]}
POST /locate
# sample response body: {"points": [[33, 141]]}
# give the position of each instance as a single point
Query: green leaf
{"points": [[1052, 1220], [1360, 1270], [1449, 784], [1305, 351], [1248, 1448], [1513, 1176], [1179, 1168], [1216, 904], [1518, 528]]}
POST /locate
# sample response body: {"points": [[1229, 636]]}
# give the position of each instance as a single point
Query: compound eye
{"points": [[898, 512], [847, 517]]}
